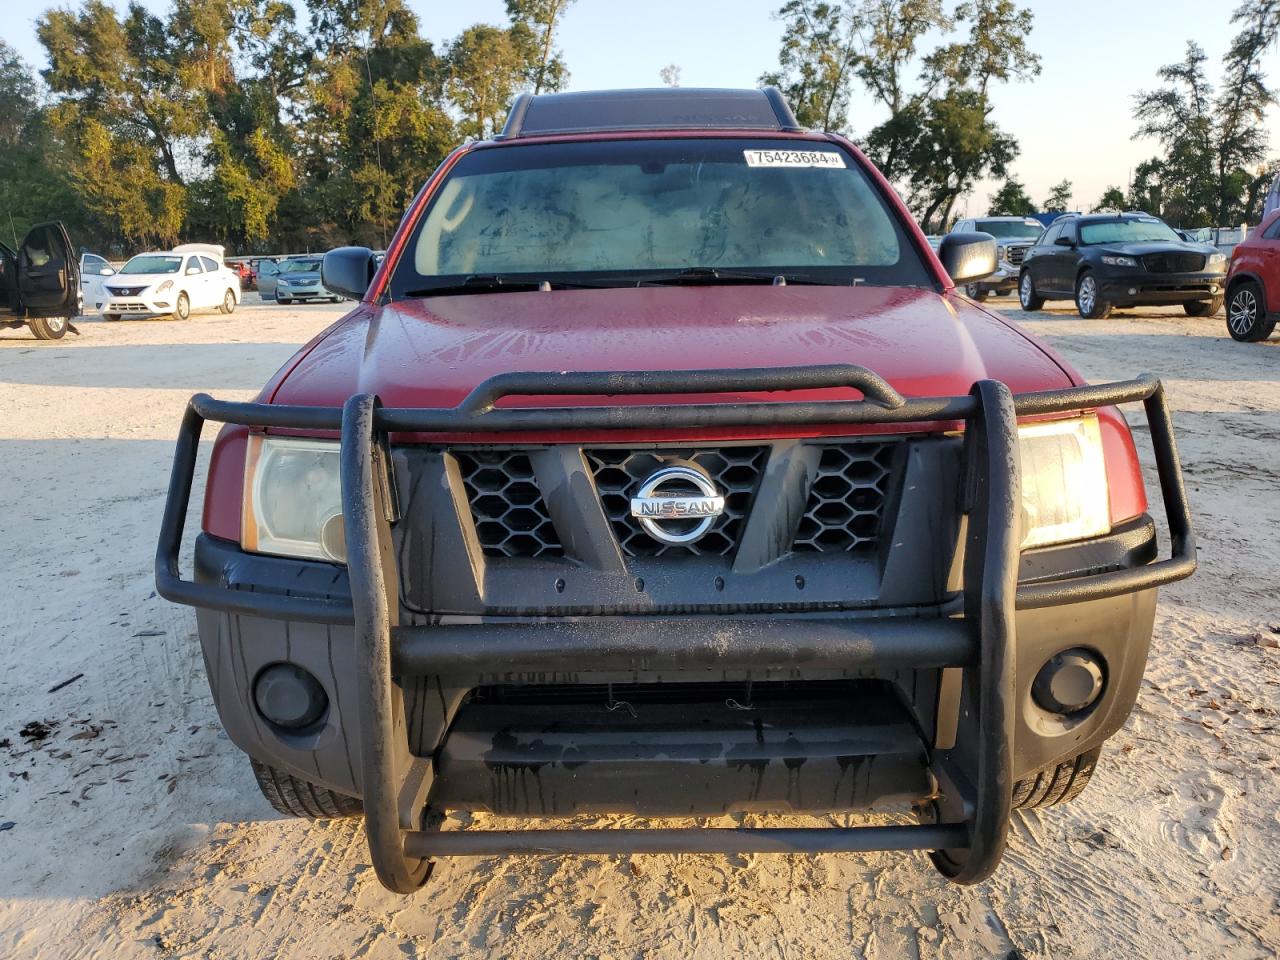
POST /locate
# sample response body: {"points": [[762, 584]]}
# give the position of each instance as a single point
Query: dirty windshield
{"points": [[618, 213]]}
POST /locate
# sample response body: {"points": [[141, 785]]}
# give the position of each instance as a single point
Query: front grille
{"points": [[1015, 255], [125, 291], [1173, 262], [510, 515], [846, 501], [619, 473]]}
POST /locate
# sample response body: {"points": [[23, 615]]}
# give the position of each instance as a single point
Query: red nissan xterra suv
{"points": [[661, 470]]}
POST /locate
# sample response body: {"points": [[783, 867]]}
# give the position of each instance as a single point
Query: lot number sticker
{"points": [[794, 158]]}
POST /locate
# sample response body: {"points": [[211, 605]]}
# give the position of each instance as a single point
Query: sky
{"points": [[1073, 122]]}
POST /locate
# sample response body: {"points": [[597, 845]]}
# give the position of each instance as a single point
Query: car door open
{"points": [[48, 273]]}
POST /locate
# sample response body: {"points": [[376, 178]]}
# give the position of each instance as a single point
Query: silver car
{"points": [[1014, 237], [300, 280]]}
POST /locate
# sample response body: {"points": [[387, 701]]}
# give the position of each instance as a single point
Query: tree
{"points": [[533, 28], [1059, 199], [485, 69], [33, 160], [816, 62], [1240, 110], [939, 138], [670, 75], [1212, 146], [1010, 200], [1111, 201]]}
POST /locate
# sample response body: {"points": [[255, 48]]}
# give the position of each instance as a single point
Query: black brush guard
{"points": [[966, 841]]}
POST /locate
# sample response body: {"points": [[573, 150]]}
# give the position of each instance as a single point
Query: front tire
{"points": [[1247, 319], [283, 301], [112, 317], [1203, 308], [228, 303], [1089, 303], [182, 309], [1027, 292], [295, 797], [976, 292], [1059, 783], [49, 328]]}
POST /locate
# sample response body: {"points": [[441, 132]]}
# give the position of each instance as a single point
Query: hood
{"points": [[432, 352], [300, 276], [1157, 246], [140, 279]]}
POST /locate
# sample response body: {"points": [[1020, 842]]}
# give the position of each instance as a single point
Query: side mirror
{"points": [[348, 271], [192, 271], [1064, 242], [107, 271], [968, 256]]}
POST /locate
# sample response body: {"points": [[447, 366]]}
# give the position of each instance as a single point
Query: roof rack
{"points": [[662, 108]]}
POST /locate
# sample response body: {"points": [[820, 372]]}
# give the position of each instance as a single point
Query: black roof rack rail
{"points": [[660, 108]]}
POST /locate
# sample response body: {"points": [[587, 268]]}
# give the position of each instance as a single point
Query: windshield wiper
{"points": [[716, 275], [498, 283]]}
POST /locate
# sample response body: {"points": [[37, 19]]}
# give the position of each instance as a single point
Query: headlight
{"points": [[293, 499], [167, 285], [1064, 482], [1217, 261], [1120, 261]]}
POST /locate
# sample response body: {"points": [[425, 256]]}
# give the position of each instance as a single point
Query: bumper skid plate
{"points": [[965, 828]]}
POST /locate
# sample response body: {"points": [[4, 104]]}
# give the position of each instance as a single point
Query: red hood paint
{"points": [[432, 352]]}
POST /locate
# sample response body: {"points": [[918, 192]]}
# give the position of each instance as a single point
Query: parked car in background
{"points": [[1014, 237], [244, 271], [94, 271], [1108, 260], [1253, 283], [40, 283], [172, 283], [299, 279]]}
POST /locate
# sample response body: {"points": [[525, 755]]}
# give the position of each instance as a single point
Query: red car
{"points": [[662, 469], [1253, 283]]}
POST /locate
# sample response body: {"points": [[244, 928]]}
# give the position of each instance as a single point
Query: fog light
{"points": [[1069, 682], [289, 696], [1133, 291]]}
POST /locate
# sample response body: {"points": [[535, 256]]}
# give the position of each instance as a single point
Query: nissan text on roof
{"points": [[661, 469]]}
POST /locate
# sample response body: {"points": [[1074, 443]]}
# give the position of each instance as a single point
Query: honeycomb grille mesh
{"points": [[846, 501], [619, 473], [507, 506]]}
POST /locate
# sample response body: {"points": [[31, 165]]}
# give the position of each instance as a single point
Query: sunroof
{"points": [[664, 108]]}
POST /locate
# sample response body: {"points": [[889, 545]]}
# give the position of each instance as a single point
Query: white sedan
{"points": [[172, 283]]}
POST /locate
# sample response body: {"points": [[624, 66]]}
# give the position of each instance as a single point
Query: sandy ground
{"points": [[133, 828]]}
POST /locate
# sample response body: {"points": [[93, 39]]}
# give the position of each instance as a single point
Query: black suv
{"points": [[1107, 260]]}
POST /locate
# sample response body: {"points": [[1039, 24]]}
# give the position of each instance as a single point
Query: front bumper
{"points": [[1004, 280], [1142, 288], [396, 689], [143, 305], [313, 291]]}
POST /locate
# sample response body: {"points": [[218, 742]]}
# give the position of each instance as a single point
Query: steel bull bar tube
{"points": [[967, 841]]}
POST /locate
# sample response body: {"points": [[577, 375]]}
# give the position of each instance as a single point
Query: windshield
{"points": [[301, 266], [1007, 229], [152, 264], [1127, 231], [615, 213]]}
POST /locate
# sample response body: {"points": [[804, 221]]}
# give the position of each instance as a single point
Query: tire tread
{"points": [[1060, 783], [295, 797]]}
